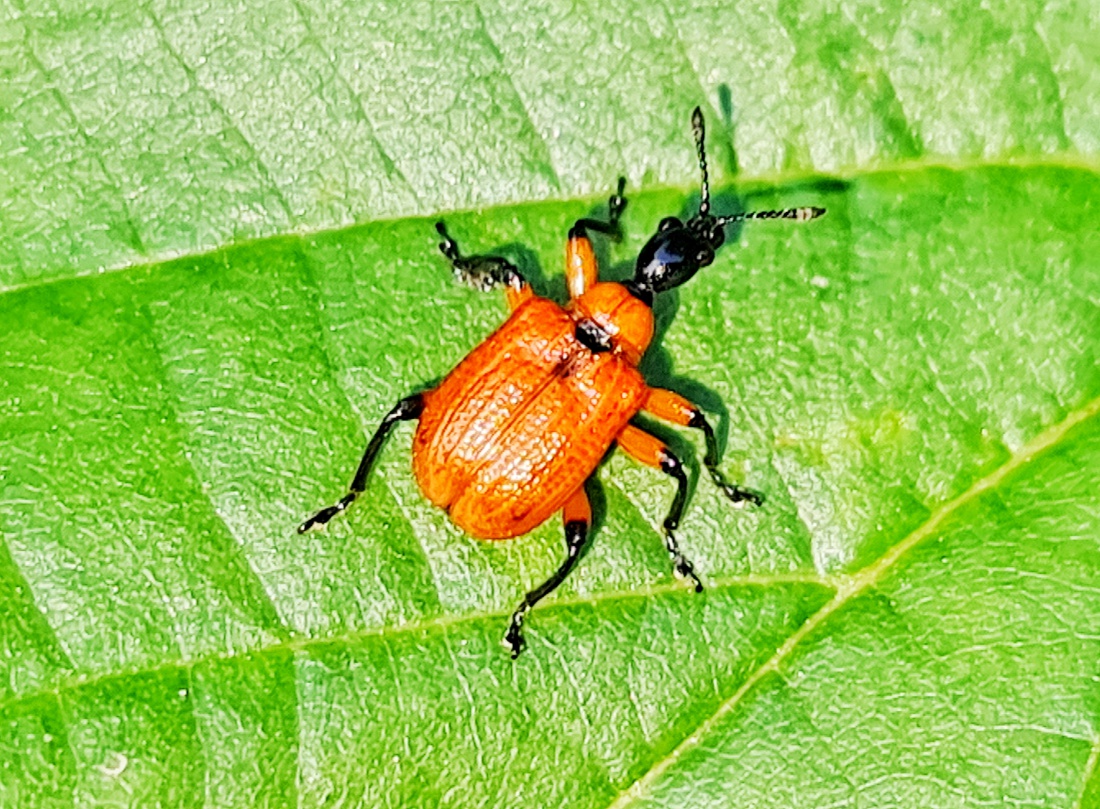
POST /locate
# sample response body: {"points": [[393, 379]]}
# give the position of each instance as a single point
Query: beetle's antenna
{"points": [[798, 214], [699, 131]]}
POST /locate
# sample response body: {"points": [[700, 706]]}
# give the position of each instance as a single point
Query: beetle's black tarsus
{"points": [[672, 466], [737, 494], [576, 535], [407, 409], [479, 272], [615, 206]]}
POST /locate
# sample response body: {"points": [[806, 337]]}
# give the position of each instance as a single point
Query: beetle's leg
{"points": [[485, 272], [577, 516], [581, 271], [615, 204], [650, 450], [408, 408], [664, 404]]}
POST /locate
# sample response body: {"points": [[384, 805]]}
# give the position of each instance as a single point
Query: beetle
{"points": [[512, 434]]}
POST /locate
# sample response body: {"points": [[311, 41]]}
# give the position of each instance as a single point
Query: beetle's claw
{"points": [[318, 520], [312, 524], [513, 639], [322, 517], [685, 570]]}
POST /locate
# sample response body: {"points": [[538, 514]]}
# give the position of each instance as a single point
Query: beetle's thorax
{"points": [[609, 313]]}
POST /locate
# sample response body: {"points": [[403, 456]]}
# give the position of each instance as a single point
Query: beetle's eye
{"points": [[668, 223]]}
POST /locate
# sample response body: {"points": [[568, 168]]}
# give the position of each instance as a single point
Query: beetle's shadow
{"points": [[657, 368], [657, 365], [597, 499]]}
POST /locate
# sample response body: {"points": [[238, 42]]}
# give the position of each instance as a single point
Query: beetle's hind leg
{"points": [[651, 451], [577, 516], [484, 272], [407, 409], [664, 404]]}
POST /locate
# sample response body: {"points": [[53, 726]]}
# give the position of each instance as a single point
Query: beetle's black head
{"points": [[678, 249], [676, 252]]}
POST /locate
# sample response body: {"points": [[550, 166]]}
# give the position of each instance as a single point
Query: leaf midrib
{"points": [[778, 179], [301, 643], [849, 587]]}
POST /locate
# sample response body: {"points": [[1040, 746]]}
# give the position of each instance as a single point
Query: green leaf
{"points": [[913, 380]]}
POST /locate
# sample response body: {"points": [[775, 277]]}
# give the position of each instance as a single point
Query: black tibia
{"points": [[738, 494], [407, 409], [479, 272], [671, 465], [576, 534], [616, 204]]}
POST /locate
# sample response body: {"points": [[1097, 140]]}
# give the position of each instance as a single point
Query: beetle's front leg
{"points": [[577, 516], [485, 272], [651, 451], [664, 404], [581, 271]]}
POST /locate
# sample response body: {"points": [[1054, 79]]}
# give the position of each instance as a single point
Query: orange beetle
{"points": [[512, 434]]}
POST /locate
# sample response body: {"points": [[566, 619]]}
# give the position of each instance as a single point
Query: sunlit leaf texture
{"points": [[218, 271]]}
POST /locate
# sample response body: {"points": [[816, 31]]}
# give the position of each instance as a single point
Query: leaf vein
{"points": [[299, 736], [63, 102], [387, 158], [507, 74], [1060, 100], [1090, 768], [67, 724], [681, 45], [221, 110], [20, 584], [182, 432], [200, 738]]}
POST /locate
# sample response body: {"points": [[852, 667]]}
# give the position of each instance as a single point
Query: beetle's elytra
{"points": [[511, 435]]}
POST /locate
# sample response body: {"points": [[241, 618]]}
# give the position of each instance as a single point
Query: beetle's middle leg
{"points": [[577, 516], [485, 272], [664, 404], [407, 409], [651, 451]]}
